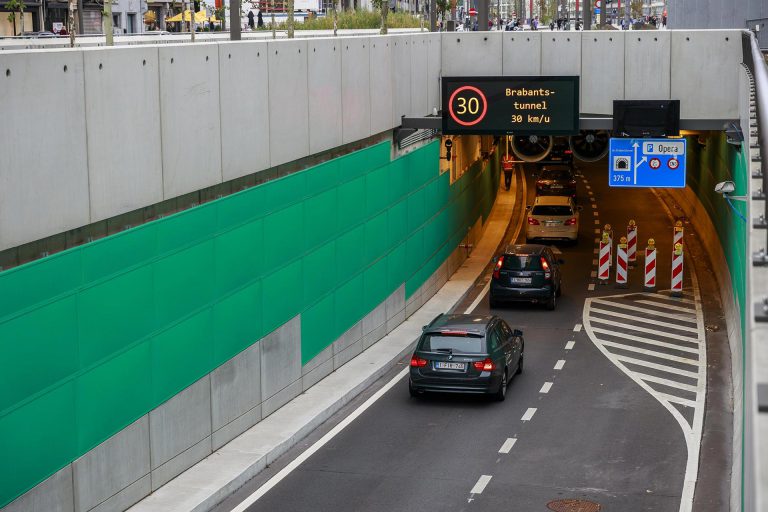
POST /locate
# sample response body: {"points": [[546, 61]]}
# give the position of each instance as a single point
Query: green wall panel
{"points": [[96, 336]]}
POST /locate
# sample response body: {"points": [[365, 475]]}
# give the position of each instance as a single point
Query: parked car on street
{"points": [[466, 354], [526, 273]]}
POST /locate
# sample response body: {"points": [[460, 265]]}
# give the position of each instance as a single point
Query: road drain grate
{"points": [[573, 506]]}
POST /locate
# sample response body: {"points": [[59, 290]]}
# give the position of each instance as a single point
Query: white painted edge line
{"points": [[546, 387], [667, 382], [528, 414], [480, 485], [287, 470], [508, 444], [559, 364], [477, 300], [570, 345], [591, 286], [577, 328]]}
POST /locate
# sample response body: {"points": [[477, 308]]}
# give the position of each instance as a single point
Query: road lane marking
{"points": [[287, 470], [588, 187], [594, 206], [595, 214], [593, 273], [569, 345], [647, 341], [594, 262], [597, 222], [508, 444], [595, 250], [597, 231], [652, 353], [678, 400], [546, 387], [660, 367], [662, 334], [591, 287], [668, 316], [577, 328], [559, 364], [592, 199], [480, 485], [597, 240], [528, 414], [690, 311], [651, 321], [666, 382]]}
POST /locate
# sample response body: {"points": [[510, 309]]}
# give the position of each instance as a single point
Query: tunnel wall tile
{"points": [[356, 88], [325, 94]]}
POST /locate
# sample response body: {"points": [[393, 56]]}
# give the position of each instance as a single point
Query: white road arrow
{"points": [[637, 164]]}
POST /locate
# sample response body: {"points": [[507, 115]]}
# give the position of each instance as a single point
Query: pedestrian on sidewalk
{"points": [[506, 166]]}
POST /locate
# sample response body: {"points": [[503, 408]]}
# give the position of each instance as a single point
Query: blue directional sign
{"points": [[647, 163]]}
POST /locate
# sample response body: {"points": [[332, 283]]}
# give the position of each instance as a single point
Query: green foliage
{"points": [[360, 19], [636, 8]]}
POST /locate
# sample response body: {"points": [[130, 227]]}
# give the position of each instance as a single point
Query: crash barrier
{"points": [[677, 270], [621, 263], [603, 273], [650, 265], [632, 243]]}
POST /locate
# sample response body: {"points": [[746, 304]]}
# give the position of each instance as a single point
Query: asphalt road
{"points": [[574, 425]]}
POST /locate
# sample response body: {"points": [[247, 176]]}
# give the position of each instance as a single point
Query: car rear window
{"points": [[556, 174], [521, 262], [552, 209], [455, 344]]}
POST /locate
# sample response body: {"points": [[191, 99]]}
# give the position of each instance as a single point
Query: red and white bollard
{"points": [[604, 260], [608, 230], [650, 266], [621, 263], [677, 271], [632, 243], [677, 234]]}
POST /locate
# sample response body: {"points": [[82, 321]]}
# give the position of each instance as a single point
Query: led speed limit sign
{"points": [[467, 106]]}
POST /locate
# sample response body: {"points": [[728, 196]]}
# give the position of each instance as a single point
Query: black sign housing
{"points": [[514, 105]]}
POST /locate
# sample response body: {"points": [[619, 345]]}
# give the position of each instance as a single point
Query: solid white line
{"points": [[508, 444], [652, 321], [560, 363], [678, 300], [593, 273], [661, 334], [690, 311], [477, 300], [660, 367], [667, 382], [546, 387], [652, 353], [676, 399], [577, 328], [480, 485], [652, 312], [569, 345], [591, 286], [647, 341], [261, 491], [528, 414]]}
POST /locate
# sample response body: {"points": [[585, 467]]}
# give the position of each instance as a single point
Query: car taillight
{"points": [[545, 266], [486, 366], [572, 182], [418, 362], [568, 152], [571, 221], [532, 221], [497, 268]]}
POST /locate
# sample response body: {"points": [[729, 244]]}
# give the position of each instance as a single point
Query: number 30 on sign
{"points": [[468, 105]]}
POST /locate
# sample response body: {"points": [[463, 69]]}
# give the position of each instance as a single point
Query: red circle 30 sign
{"points": [[468, 105]]}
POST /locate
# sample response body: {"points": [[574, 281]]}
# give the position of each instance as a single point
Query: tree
{"points": [[289, 8], [15, 6], [636, 9], [442, 6], [383, 5]]}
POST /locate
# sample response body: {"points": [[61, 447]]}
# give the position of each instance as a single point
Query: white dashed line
{"points": [[595, 251], [597, 240], [597, 231], [577, 328], [595, 214], [594, 206], [591, 287], [528, 414], [593, 273], [594, 262], [546, 387], [569, 345], [590, 192], [597, 221], [559, 365], [592, 199], [480, 485], [588, 187], [508, 444]]}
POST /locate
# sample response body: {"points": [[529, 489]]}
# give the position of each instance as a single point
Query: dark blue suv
{"points": [[466, 354]]}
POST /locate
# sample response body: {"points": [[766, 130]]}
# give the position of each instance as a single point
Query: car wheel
{"points": [[501, 394], [412, 391], [520, 364], [552, 302]]}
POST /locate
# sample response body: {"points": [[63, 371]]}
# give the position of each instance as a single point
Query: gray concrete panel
{"points": [[435, 65], [419, 75], [401, 77], [281, 358], [374, 336], [412, 305], [381, 83], [288, 101], [127, 496], [244, 104], [180, 423], [124, 145], [395, 306], [375, 318], [180, 463], [602, 75], [112, 466], [236, 427], [324, 75], [236, 387], [348, 345], [472, 53], [281, 398], [190, 118], [42, 135], [522, 53], [54, 494], [697, 57], [647, 65], [344, 356], [356, 88], [561, 53], [317, 368]]}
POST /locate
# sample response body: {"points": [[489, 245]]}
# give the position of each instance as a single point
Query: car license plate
{"points": [[552, 223], [557, 186], [444, 365], [521, 280]]}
